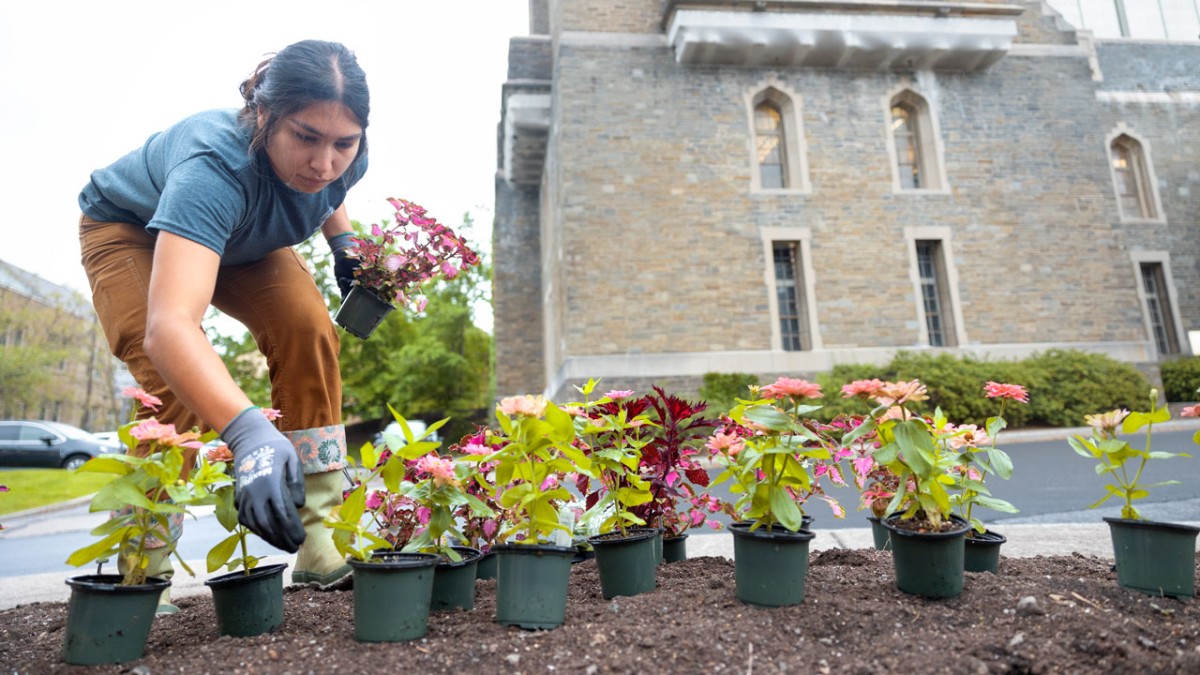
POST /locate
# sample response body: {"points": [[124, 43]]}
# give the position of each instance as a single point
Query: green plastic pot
{"points": [[928, 564], [675, 548], [1156, 558], [658, 545], [879, 535], [248, 604], [627, 564], [391, 596], [981, 551], [108, 622], [362, 312], [454, 582], [770, 567], [531, 585], [485, 567]]}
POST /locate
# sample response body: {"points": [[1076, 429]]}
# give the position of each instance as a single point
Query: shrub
{"points": [[1181, 379], [719, 390], [1070, 384]]}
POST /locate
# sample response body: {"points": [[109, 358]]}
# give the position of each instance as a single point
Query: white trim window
{"points": [[935, 286], [914, 144], [1133, 179], [790, 282], [777, 139], [1156, 289]]}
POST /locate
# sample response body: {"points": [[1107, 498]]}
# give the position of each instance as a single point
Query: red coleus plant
{"points": [[669, 462]]}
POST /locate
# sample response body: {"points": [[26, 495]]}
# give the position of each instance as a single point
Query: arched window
{"points": [[769, 146], [1131, 176], [777, 146], [914, 142]]}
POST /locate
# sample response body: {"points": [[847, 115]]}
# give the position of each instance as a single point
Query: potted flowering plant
{"points": [[250, 601], [394, 262], [766, 459], [1153, 557], [481, 531], [392, 589], [677, 434], [533, 452], [610, 433], [109, 615], [438, 487]]}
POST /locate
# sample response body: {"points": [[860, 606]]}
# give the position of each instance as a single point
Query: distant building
{"points": [[688, 186], [54, 360]]}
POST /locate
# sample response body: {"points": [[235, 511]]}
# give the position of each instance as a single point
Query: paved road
{"points": [[1051, 484]]}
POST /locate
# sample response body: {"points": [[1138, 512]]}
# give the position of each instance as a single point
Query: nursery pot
{"points": [[531, 585], [627, 564], [248, 604], [108, 622], [454, 582], [929, 564], [1156, 558], [485, 567], [769, 567], [879, 534], [982, 551], [391, 596], [658, 545], [675, 548], [361, 312], [583, 551]]}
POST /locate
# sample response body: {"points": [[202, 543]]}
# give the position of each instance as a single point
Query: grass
{"points": [[40, 487]]}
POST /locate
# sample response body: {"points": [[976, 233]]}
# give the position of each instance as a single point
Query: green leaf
{"points": [[916, 447], [785, 510], [219, 555], [769, 417], [106, 464], [995, 504], [103, 548], [1001, 463]]}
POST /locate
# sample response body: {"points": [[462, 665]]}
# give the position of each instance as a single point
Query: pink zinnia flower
{"points": [[271, 414], [1190, 411], [441, 470], [1010, 391], [474, 448], [865, 388], [530, 406], [730, 444], [967, 436], [151, 430], [617, 394], [147, 400], [787, 386]]}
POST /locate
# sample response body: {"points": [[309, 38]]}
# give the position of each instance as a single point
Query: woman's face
{"points": [[312, 148]]}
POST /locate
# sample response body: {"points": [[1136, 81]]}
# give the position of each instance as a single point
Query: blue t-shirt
{"points": [[197, 179]]}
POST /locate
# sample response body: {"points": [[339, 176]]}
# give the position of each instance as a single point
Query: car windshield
{"points": [[68, 430]]}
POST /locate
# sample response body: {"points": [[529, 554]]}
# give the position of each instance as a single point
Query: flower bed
{"points": [[853, 620]]}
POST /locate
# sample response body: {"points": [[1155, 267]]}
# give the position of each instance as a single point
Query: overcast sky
{"points": [[82, 83]]}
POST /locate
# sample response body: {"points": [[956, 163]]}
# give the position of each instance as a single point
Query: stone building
{"points": [[780, 186], [54, 359]]}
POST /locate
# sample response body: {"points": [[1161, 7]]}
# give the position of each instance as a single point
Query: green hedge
{"points": [[1181, 379], [1063, 385]]}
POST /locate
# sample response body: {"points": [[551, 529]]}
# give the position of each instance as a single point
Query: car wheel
{"points": [[75, 461]]}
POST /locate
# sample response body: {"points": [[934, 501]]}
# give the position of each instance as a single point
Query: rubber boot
{"points": [[160, 566], [318, 561]]}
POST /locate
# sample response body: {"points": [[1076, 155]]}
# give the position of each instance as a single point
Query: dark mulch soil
{"points": [[853, 620]]}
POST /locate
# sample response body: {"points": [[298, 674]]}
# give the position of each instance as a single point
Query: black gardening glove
{"points": [[269, 481], [343, 265]]}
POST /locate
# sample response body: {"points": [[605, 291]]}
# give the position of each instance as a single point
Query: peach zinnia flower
{"points": [[221, 453], [897, 393], [967, 436], [1010, 391], [787, 386], [147, 400], [730, 444], [440, 470], [152, 430], [530, 406], [1107, 422]]}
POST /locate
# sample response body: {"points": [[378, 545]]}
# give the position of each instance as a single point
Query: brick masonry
{"points": [[647, 232]]}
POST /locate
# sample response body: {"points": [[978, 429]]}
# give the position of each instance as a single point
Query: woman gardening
{"points": [[206, 212]]}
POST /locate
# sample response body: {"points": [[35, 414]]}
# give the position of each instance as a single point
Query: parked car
{"points": [[40, 443]]}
